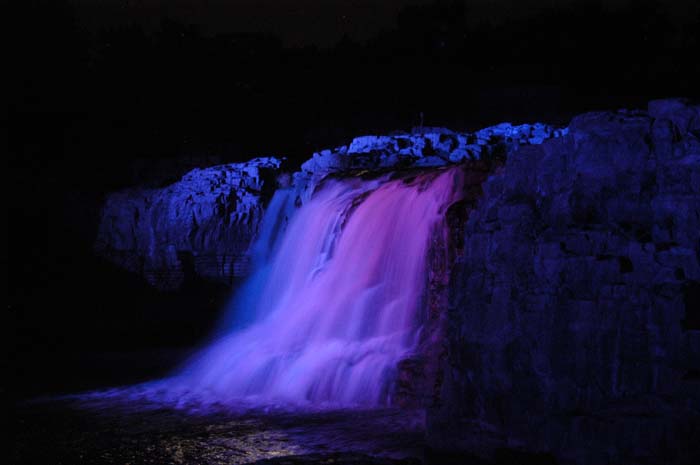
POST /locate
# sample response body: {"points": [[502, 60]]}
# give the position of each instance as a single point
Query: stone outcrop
{"points": [[574, 314], [202, 224], [424, 147]]}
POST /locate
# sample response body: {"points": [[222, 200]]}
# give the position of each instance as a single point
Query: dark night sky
{"points": [[113, 93], [319, 22]]}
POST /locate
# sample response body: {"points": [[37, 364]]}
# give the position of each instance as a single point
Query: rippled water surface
{"points": [[120, 429]]}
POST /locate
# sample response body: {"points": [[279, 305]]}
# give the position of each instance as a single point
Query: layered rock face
{"points": [[425, 147], [574, 313], [203, 224]]}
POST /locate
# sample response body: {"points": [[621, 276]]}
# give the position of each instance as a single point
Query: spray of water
{"points": [[335, 301]]}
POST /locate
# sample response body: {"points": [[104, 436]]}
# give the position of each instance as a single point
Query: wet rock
{"points": [[565, 330], [424, 147], [119, 430]]}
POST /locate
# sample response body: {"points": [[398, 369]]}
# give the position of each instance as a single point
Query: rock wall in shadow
{"points": [[572, 322], [201, 225]]}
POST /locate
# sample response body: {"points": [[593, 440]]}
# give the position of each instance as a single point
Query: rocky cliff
{"points": [[571, 300], [574, 312], [424, 147], [203, 224]]}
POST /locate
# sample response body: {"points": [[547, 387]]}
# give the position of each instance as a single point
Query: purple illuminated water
{"points": [[338, 303]]}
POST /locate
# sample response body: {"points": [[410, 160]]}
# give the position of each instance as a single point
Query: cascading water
{"points": [[335, 301], [245, 302]]}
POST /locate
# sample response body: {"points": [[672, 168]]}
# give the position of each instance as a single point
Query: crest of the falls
{"points": [[335, 301]]}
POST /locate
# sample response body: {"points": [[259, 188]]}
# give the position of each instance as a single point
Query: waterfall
{"points": [[336, 299], [241, 310]]}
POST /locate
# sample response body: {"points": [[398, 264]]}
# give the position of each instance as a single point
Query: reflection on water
{"points": [[117, 427]]}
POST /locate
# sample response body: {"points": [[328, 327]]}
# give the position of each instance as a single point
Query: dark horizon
{"points": [[164, 84], [323, 24]]}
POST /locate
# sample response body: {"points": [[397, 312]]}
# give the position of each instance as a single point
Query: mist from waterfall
{"points": [[335, 300]]}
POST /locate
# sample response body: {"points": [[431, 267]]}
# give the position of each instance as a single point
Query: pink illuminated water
{"points": [[341, 301]]}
